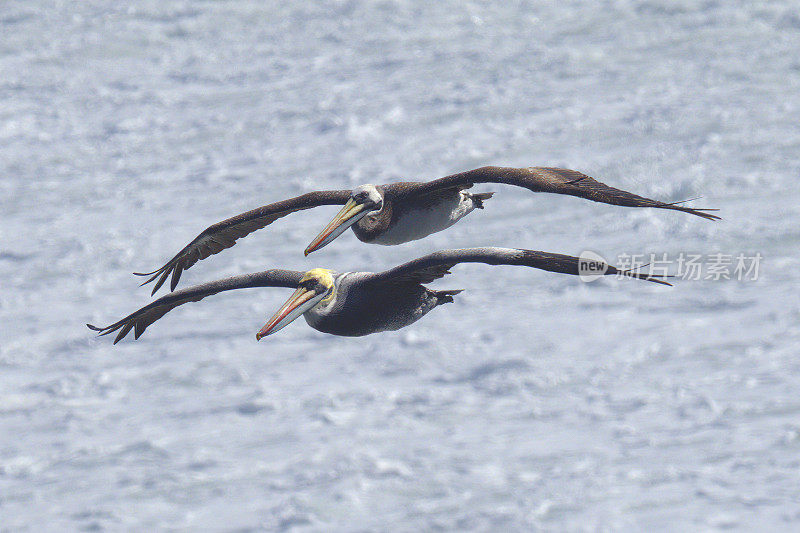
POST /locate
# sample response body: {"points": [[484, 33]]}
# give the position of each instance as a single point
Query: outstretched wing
{"points": [[554, 180], [438, 264], [139, 320], [224, 234]]}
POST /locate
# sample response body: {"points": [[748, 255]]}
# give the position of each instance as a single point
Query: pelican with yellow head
{"points": [[353, 304], [315, 288]]}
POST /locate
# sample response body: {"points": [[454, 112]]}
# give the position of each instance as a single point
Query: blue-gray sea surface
{"points": [[535, 401]]}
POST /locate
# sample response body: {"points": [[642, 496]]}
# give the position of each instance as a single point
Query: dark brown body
{"points": [[358, 309]]}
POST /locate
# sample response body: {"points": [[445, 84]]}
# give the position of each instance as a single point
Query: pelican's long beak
{"points": [[301, 301], [351, 213]]}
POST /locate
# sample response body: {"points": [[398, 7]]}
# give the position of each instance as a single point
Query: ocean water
{"points": [[534, 402]]}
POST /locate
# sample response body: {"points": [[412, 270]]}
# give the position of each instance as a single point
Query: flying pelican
{"points": [[401, 212], [353, 304]]}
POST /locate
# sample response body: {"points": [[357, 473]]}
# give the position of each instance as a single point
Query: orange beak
{"points": [[300, 302], [349, 215]]}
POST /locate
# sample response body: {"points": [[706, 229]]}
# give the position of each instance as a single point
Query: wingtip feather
{"points": [[697, 211], [161, 281], [145, 273], [703, 214], [176, 276]]}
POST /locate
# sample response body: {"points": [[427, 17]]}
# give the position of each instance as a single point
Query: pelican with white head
{"points": [[364, 199]]}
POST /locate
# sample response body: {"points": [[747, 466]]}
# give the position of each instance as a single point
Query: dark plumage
{"points": [[401, 212], [357, 303]]}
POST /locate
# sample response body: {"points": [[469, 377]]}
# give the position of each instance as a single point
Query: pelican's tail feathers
{"points": [[478, 198], [446, 297]]}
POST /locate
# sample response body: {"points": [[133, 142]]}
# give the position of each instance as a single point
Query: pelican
{"points": [[401, 212], [353, 304]]}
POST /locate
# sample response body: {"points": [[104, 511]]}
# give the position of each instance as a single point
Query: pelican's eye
{"points": [[361, 197], [319, 288], [313, 285]]}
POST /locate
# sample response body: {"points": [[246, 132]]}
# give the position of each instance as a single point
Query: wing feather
{"points": [[557, 181], [438, 264], [223, 235], [142, 318]]}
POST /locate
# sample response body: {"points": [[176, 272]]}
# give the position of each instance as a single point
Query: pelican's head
{"points": [[315, 286], [363, 200]]}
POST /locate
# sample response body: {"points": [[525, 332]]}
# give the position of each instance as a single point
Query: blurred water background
{"points": [[534, 402]]}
